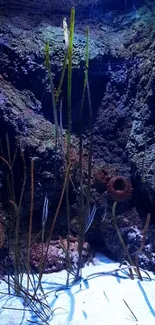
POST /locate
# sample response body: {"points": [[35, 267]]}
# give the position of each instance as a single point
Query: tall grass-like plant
{"points": [[48, 65], [30, 222], [16, 207], [69, 104], [65, 189], [55, 95], [90, 144], [43, 261], [132, 264], [9, 176], [37, 304], [17, 225], [140, 249], [83, 211]]}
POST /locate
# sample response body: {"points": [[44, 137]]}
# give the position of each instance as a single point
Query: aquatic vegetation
{"points": [[77, 189], [131, 263], [67, 160], [122, 240], [30, 222], [145, 231], [43, 261], [118, 188], [48, 64], [82, 206], [21, 264], [144, 158], [116, 271], [69, 106], [14, 222]]}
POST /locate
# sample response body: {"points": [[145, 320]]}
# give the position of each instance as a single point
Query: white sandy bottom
{"points": [[99, 301]]}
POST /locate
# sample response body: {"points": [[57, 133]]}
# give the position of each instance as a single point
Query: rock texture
{"points": [[121, 78], [56, 257], [36, 138], [47, 6]]}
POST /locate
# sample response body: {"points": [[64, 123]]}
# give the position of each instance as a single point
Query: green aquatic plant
{"points": [[83, 209], [14, 222], [36, 303], [43, 261], [30, 222], [55, 93], [48, 65], [145, 231], [32, 300], [69, 104], [144, 158], [126, 251], [115, 272], [65, 189]]}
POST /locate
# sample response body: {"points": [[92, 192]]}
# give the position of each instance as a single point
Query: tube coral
{"points": [[119, 188]]}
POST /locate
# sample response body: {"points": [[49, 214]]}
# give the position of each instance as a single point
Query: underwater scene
{"points": [[77, 162]]}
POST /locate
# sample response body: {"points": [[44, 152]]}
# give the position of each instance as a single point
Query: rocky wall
{"points": [[65, 5]]}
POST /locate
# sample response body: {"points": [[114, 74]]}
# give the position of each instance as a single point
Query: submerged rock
{"points": [[56, 256], [121, 77]]}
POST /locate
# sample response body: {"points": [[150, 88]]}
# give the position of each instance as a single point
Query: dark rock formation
{"points": [[36, 138], [56, 257], [121, 78], [49, 6]]}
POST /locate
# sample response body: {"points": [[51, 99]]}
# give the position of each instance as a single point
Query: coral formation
{"points": [[119, 188], [56, 257]]}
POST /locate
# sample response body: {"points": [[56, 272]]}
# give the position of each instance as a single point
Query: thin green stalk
{"points": [[130, 310], [122, 240], [48, 65], [115, 271], [24, 181], [82, 209], [41, 310], [43, 261], [16, 213], [139, 251], [69, 83], [61, 134], [30, 222], [69, 102], [12, 198], [90, 145], [10, 178], [17, 226], [144, 158], [11, 193], [8, 149]]}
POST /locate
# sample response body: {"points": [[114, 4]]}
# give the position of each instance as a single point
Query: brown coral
{"points": [[119, 188], [56, 256]]}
